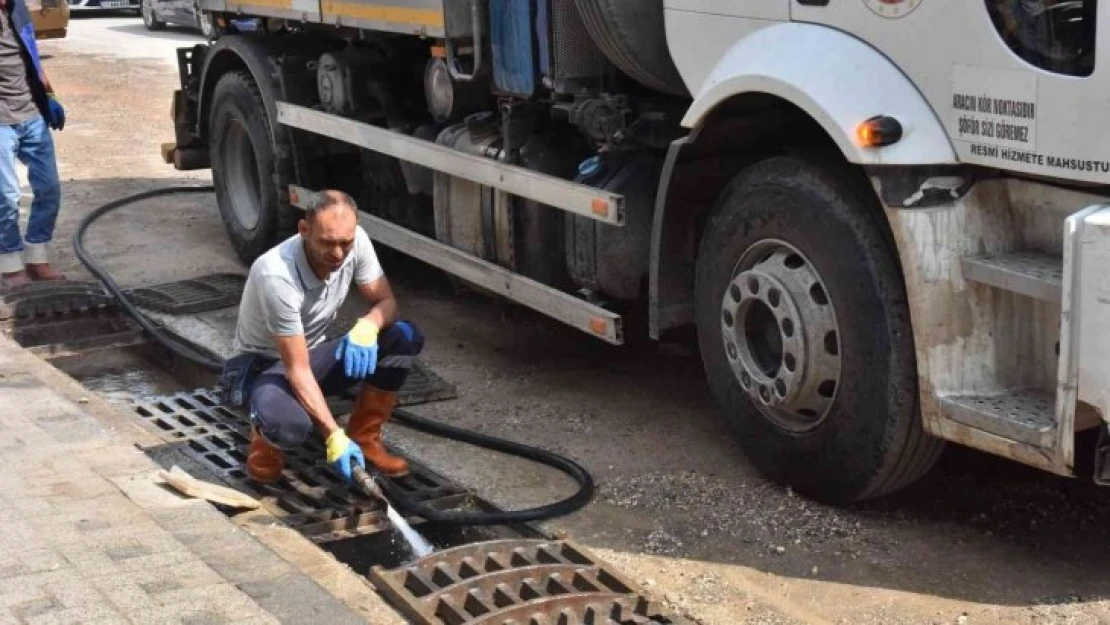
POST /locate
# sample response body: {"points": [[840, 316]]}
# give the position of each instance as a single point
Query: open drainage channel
{"points": [[480, 576]]}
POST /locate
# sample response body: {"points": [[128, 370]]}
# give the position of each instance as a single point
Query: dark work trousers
{"points": [[281, 418]]}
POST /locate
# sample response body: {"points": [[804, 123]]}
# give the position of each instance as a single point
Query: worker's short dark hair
{"points": [[327, 199]]}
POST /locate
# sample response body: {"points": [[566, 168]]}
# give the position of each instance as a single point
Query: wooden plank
{"points": [[191, 486]]}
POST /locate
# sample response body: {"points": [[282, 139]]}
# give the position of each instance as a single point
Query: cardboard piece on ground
{"points": [[191, 486]]}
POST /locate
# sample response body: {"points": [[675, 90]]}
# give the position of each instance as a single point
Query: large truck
{"points": [[883, 218]]}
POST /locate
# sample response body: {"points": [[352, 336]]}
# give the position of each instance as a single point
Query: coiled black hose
{"points": [[109, 282], [394, 493]]}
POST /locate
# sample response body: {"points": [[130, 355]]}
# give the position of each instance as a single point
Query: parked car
{"points": [[158, 13], [103, 5], [49, 17]]}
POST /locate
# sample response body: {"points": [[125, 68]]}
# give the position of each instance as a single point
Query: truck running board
{"points": [[572, 311], [1033, 274], [556, 192]]}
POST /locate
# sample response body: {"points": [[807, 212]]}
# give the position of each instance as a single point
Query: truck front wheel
{"points": [[805, 334], [243, 166]]}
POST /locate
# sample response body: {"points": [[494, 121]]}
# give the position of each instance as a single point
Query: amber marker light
{"points": [[878, 131]]}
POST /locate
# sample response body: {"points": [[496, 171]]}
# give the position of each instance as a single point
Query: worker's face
{"points": [[328, 238]]}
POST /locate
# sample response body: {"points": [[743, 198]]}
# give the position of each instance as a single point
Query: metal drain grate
{"points": [[519, 582], [43, 299], [195, 295], [422, 386], [63, 318], [309, 496]]}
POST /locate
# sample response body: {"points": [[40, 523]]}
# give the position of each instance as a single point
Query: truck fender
{"points": [[236, 52], [838, 80]]}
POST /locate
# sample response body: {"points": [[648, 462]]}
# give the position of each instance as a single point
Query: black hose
{"points": [[458, 517], [109, 282], [395, 494]]}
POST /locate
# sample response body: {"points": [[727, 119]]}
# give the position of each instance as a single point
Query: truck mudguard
{"points": [[254, 53], [837, 80]]}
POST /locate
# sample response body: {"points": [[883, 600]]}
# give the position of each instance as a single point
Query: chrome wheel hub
{"points": [[781, 335]]}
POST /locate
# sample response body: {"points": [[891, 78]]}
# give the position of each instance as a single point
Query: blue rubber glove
{"points": [[359, 350], [341, 452], [57, 112]]}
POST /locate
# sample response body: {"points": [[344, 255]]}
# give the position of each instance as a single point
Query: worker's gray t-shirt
{"points": [[283, 297], [16, 104]]}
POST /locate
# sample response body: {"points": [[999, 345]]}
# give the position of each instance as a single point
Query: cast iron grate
{"points": [[195, 295], [64, 317], [48, 299], [309, 496], [519, 582], [422, 386]]}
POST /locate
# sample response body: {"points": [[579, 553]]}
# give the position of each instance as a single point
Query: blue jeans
{"points": [[31, 143]]}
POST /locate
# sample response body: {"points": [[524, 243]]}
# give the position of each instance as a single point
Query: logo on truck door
{"points": [[892, 8]]}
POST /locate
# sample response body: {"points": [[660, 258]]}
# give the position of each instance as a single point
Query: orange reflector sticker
{"points": [[600, 207], [598, 325], [439, 52]]}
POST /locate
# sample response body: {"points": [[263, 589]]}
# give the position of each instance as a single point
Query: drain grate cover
{"points": [[422, 386], [42, 299], [518, 582], [64, 317], [195, 295], [309, 497]]}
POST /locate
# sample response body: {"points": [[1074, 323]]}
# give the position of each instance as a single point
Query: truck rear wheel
{"points": [[243, 166], [805, 333]]}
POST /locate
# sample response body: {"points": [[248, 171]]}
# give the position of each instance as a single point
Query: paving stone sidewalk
{"points": [[88, 535]]}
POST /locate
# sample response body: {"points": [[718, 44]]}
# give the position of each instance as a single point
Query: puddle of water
{"points": [[122, 387], [121, 375], [419, 546]]}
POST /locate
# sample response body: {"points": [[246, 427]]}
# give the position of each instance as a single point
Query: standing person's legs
{"points": [[36, 150], [398, 345], [11, 241]]}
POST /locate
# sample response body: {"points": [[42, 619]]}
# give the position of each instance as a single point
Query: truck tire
{"points": [[805, 335], [632, 35], [243, 167]]}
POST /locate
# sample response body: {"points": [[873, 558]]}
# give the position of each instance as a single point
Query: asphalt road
{"points": [[679, 508], [121, 35]]}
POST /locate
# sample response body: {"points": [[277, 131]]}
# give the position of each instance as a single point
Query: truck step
{"points": [[1027, 416], [1033, 274]]}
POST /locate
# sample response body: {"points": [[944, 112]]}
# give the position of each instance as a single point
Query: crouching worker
{"points": [[286, 365]]}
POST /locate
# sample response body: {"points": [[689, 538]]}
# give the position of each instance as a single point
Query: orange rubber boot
{"points": [[264, 461], [372, 409]]}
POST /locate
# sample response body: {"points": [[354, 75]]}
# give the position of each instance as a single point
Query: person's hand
{"points": [[57, 113], [359, 350], [341, 453]]}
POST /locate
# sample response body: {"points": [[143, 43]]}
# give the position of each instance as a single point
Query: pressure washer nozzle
{"points": [[368, 482]]}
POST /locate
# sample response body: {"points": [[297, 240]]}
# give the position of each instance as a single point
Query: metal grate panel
{"points": [[43, 299], [1028, 416], [310, 497], [516, 582], [422, 386], [576, 59], [1033, 274], [63, 318], [195, 295]]}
